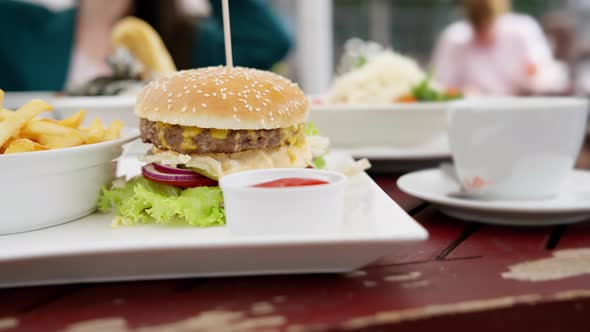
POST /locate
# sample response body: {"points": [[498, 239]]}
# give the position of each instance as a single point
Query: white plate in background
{"points": [[396, 137], [89, 250], [384, 131], [14, 100], [107, 108], [437, 149]]}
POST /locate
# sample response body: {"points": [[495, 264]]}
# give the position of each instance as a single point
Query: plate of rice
{"points": [[388, 102]]}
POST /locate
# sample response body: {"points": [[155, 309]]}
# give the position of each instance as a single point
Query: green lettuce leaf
{"points": [[144, 201], [311, 129], [318, 162]]}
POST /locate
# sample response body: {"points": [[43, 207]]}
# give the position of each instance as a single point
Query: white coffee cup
{"points": [[515, 148]]}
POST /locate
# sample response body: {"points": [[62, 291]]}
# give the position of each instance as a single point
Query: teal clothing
{"points": [[35, 46], [36, 43]]}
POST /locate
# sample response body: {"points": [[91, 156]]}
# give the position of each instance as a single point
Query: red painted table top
{"points": [[454, 281]]}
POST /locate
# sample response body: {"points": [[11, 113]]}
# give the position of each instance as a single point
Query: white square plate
{"points": [[89, 250]]}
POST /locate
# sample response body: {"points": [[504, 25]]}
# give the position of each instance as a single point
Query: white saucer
{"points": [[571, 205]]}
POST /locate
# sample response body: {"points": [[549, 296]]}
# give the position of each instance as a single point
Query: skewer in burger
{"points": [[207, 123]]}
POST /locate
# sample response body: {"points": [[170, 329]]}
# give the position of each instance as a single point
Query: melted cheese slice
{"points": [[217, 165]]}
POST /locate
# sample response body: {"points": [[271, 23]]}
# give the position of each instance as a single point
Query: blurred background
{"points": [[316, 32]]}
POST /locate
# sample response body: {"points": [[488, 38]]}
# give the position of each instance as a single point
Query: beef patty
{"points": [[194, 140]]}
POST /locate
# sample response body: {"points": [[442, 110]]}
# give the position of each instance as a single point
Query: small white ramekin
{"points": [[283, 211]]}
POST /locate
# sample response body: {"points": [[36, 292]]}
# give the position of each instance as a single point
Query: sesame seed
{"points": [[204, 105], [170, 95], [206, 95], [257, 109], [179, 95], [235, 109], [214, 94], [194, 109], [183, 109], [169, 101], [200, 91]]}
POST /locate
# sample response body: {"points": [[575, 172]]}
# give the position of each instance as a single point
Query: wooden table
{"points": [[452, 282]]}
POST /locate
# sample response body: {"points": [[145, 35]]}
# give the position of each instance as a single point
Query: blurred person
{"points": [[42, 49], [497, 52]]}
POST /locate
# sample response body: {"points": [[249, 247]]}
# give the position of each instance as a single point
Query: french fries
{"points": [[113, 131], [95, 131], [75, 120], [23, 145], [4, 113], [53, 135], [13, 123], [22, 131]]}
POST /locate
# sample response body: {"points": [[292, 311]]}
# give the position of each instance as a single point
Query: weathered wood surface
{"points": [[457, 280]]}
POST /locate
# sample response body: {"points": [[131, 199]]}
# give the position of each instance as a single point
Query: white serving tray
{"points": [[89, 250]]}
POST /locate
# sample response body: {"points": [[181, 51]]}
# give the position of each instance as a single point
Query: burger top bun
{"points": [[223, 98]]}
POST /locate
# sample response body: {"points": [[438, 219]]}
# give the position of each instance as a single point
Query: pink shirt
{"points": [[499, 68]]}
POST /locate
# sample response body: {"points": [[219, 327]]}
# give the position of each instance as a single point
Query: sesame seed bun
{"points": [[223, 98]]}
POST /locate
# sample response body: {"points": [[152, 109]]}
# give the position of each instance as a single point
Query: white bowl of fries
{"points": [[52, 171]]}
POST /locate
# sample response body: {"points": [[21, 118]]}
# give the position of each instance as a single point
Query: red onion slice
{"points": [[172, 170], [178, 180]]}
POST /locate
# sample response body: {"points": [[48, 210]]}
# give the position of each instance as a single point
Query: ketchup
{"points": [[290, 182]]}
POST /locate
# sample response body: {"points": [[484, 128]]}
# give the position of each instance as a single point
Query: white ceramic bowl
{"points": [[391, 125], [283, 211], [47, 188], [516, 148]]}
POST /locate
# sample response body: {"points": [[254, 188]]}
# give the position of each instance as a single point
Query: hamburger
{"points": [[220, 120], [204, 124]]}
